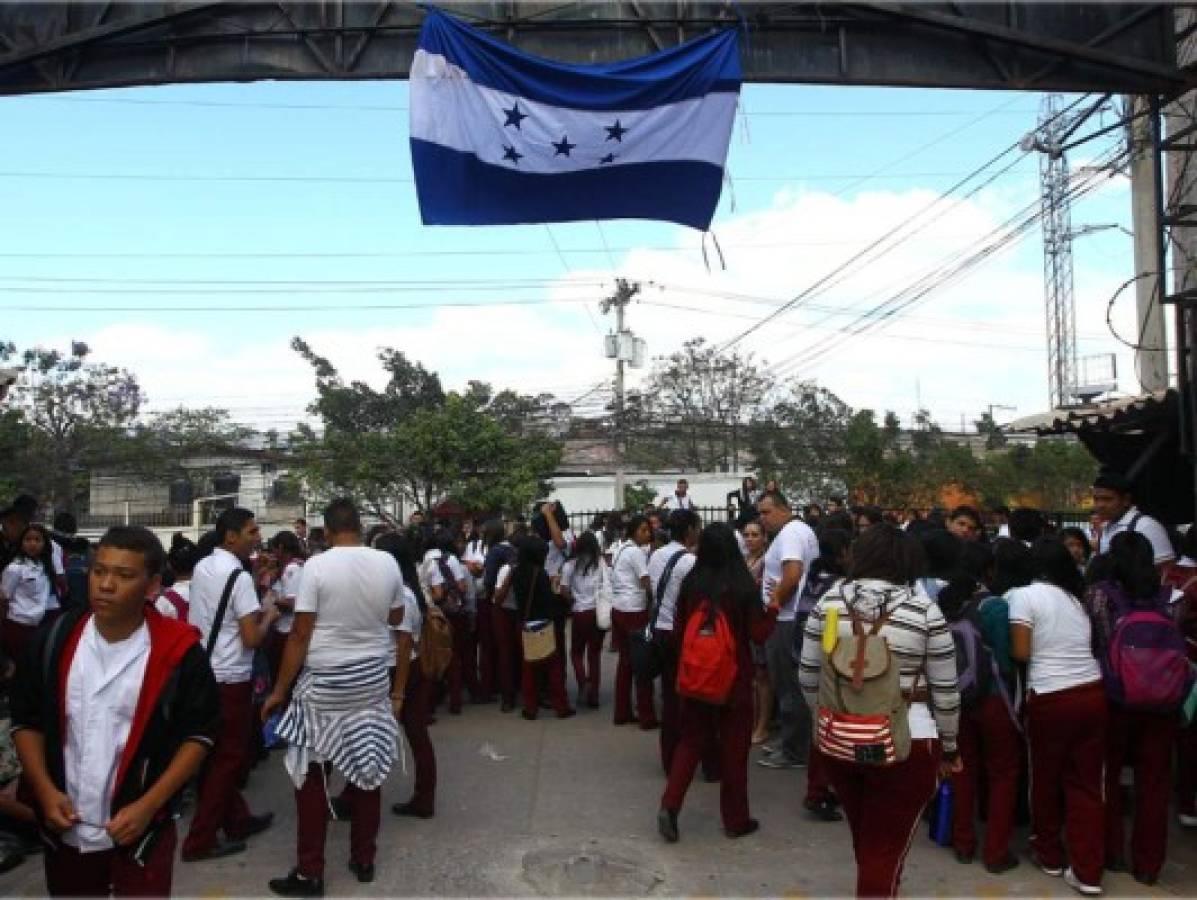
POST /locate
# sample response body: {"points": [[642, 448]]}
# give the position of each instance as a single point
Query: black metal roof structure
{"points": [[1118, 47]]}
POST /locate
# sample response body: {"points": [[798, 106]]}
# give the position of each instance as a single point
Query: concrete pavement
{"points": [[568, 807]]}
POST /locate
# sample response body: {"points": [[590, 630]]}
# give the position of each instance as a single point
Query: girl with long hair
{"points": [[528, 585], [27, 590], [883, 803], [416, 690], [1066, 716], [719, 583], [581, 581], [1132, 584], [757, 542]]}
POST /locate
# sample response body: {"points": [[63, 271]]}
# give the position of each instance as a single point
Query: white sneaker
{"points": [[1187, 821], [1087, 890]]}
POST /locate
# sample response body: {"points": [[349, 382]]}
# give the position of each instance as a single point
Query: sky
{"points": [[188, 232]]}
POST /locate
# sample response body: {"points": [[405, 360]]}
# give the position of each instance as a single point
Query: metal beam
{"points": [[1053, 46], [986, 46]]}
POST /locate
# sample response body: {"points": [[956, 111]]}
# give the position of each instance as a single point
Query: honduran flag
{"points": [[500, 137]]}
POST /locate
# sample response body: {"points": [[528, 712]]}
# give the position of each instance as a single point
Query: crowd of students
{"points": [[882, 658]]}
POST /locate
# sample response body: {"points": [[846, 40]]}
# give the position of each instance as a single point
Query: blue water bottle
{"points": [[941, 815]]}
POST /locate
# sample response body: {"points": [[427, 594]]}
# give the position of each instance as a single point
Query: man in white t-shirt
{"points": [[1113, 500], [787, 562], [667, 569], [680, 499], [244, 626], [342, 712]]}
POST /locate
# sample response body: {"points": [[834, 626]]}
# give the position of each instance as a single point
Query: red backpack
{"points": [[707, 666], [182, 607]]}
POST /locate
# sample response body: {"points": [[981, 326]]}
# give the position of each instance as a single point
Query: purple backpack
{"points": [[1147, 664]]}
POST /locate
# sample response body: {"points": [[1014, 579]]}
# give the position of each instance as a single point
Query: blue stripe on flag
{"points": [[684, 192], [694, 69]]}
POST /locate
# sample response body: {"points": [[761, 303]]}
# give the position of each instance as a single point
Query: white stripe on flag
{"points": [[448, 109]]}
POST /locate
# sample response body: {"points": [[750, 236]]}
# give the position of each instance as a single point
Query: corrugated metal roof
{"points": [[1107, 413]]}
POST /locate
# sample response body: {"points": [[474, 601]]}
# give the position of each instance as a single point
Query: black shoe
{"points": [[530, 716], [295, 885], [1003, 865], [965, 859], [406, 809], [218, 850], [340, 809], [825, 811], [363, 871], [667, 825], [1148, 880], [504, 706], [253, 825], [749, 827], [593, 704], [10, 857], [1115, 864], [567, 713]]}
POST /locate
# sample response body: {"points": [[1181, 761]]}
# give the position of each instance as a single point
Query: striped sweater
{"points": [[917, 636]]}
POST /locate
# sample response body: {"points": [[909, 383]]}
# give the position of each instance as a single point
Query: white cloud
{"points": [[977, 342]]}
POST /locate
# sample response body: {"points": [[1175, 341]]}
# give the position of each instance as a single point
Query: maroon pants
{"points": [[70, 873], [219, 805], [464, 667], [1066, 731], [553, 669], [311, 822], [1186, 770], [585, 652], [818, 779], [484, 621], [883, 805], [1146, 738], [730, 729], [508, 651], [15, 637], [417, 698], [990, 744], [671, 720], [623, 625]]}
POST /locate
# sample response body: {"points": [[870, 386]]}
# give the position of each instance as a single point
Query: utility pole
{"points": [[1151, 357], [625, 348]]}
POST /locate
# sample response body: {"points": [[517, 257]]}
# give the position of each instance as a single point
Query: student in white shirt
{"points": [[667, 568], [631, 594], [581, 581], [473, 557], [104, 751], [1066, 717], [243, 627], [1113, 501], [680, 499], [451, 588], [174, 602], [415, 691], [288, 566], [787, 563], [342, 711], [26, 591]]}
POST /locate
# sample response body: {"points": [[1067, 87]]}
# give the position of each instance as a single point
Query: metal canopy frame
{"points": [[60, 45]]}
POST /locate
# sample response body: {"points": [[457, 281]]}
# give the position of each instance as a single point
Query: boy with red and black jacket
{"points": [[115, 674]]}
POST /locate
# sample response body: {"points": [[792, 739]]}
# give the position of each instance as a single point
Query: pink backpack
{"points": [[1147, 664]]}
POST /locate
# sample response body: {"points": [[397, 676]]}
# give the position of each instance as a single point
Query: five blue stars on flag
{"points": [[515, 116]]}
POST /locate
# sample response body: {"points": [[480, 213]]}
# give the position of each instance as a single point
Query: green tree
{"points": [[639, 495], [415, 442], [801, 440], [79, 413]]}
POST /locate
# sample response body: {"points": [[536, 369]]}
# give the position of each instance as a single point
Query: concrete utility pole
{"points": [[1151, 359], [622, 347]]}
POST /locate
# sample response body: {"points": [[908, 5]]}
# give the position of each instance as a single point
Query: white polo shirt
{"points": [[27, 587], [555, 561], [656, 568], [795, 541], [583, 586], [102, 689], [232, 661], [287, 588], [629, 566], [1145, 525]]}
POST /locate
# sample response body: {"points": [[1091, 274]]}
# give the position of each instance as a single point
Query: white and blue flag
{"points": [[499, 137]]}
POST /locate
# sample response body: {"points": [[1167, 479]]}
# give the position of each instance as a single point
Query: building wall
{"points": [[579, 493]]}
